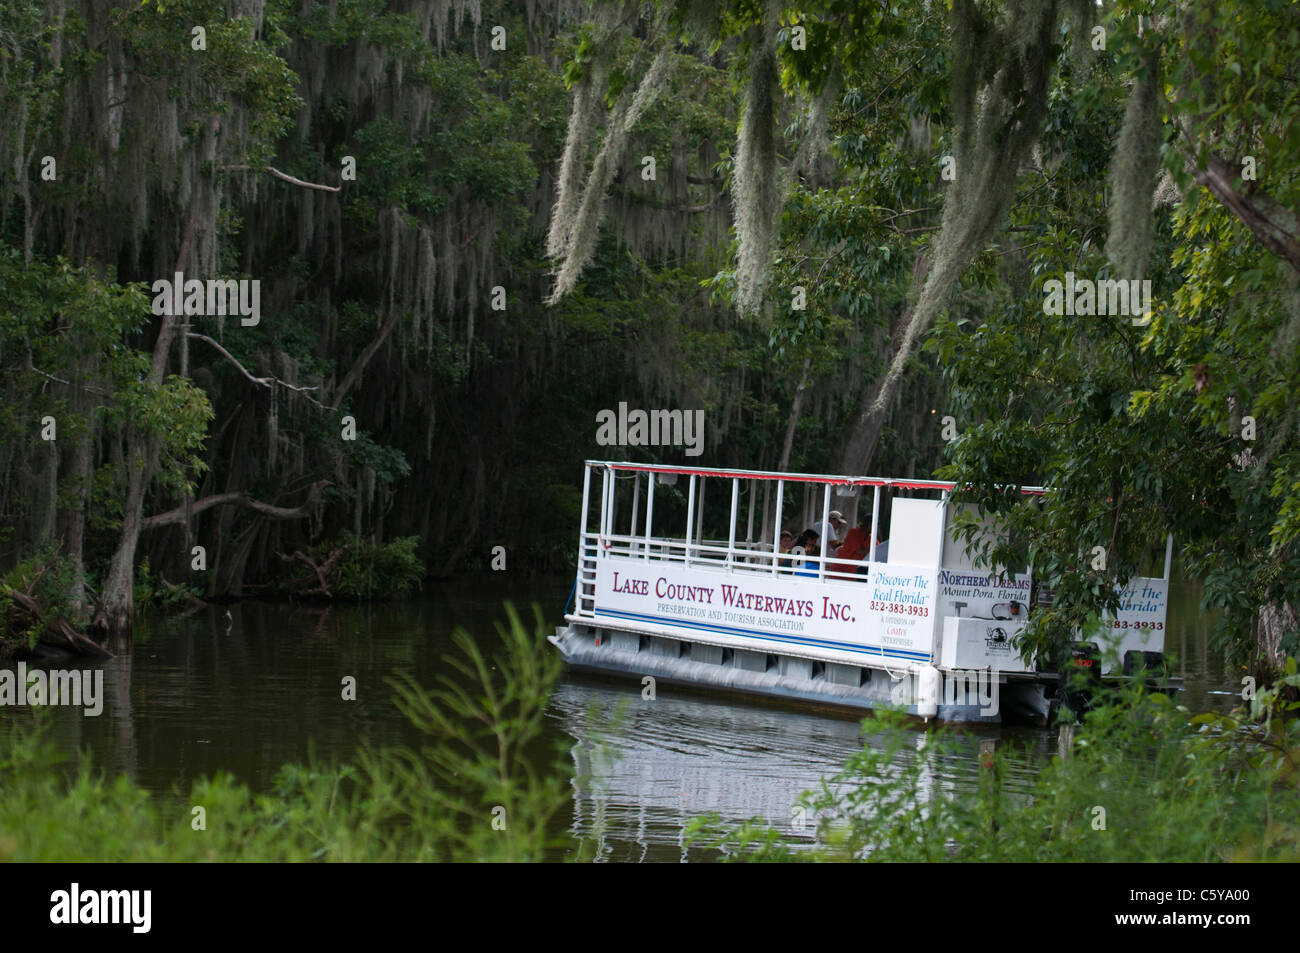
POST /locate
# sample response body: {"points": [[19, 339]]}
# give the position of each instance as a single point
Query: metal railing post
{"points": [[753, 498], [826, 531], [649, 509], [735, 502], [875, 523], [776, 533], [690, 518], [636, 509], [699, 515]]}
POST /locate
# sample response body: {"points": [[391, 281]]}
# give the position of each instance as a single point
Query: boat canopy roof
{"points": [[831, 479]]}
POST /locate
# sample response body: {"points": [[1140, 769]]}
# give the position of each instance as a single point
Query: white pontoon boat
{"points": [[915, 625]]}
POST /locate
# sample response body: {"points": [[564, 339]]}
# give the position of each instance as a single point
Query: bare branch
{"points": [[283, 177], [262, 381], [300, 183]]}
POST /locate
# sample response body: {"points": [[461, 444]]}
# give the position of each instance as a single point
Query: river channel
{"points": [[202, 693]]}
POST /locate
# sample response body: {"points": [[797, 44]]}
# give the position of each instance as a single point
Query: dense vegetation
{"points": [[835, 227], [475, 224]]}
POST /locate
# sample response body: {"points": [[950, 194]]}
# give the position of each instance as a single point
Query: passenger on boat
{"points": [[808, 544], [785, 560], [855, 547], [833, 532]]}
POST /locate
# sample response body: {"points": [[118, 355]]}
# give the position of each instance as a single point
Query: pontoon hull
{"points": [[605, 650]]}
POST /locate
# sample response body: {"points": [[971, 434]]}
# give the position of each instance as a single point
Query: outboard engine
{"points": [[1078, 675]]}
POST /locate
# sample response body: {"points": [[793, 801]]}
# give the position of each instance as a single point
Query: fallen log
{"points": [[24, 611]]}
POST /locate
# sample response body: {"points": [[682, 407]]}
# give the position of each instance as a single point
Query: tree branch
{"points": [[262, 381], [239, 498], [283, 177], [359, 365], [1256, 210]]}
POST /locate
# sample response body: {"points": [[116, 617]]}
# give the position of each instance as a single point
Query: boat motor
{"points": [[1078, 676]]}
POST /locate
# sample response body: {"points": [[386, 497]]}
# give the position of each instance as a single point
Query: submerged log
{"points": [[57, 634]]}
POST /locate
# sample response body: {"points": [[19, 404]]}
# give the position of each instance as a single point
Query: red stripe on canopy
{"points": [[790, 477]]}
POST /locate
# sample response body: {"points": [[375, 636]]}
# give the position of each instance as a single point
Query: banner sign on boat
{"points": [[890, 613], [903, 606], [983, 596], [1140, 624]]}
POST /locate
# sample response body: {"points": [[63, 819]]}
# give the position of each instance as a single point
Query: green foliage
{"points": [[239, 69], [398, 805], [1139, 430], [378, 570], [483, 724], [1145, 781], [152, 590], [176, 413], [46, 576]]}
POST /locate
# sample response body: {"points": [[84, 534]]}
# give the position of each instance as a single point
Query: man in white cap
{"points": [[834, 534]]}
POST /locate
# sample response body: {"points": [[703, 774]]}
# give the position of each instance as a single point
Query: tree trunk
{"points": [[50, 505], [72, 530], [1276, 619], [116, 607], [860, 446], [795, 409], [117, 599]]}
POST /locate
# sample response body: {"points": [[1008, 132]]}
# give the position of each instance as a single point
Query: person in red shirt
{"points": [[855, 547]]}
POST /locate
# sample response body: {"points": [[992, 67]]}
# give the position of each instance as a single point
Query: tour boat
{"points": [[916, 624]]}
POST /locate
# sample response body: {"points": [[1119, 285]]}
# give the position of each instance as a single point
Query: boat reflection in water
{"points": [[646, 768]]}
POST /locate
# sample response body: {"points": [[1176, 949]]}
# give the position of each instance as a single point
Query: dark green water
{"points": [[196, 695]]}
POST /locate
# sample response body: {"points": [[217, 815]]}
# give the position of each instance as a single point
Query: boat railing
{"points": [[745, 557]]}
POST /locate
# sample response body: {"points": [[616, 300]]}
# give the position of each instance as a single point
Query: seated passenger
{"points": [[808, 544], [786, 543], [855, 547], [834, 532]]}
